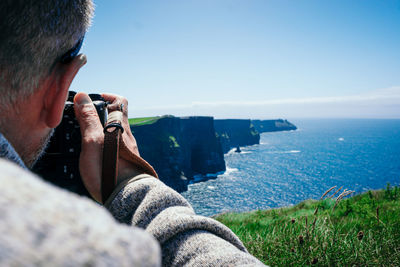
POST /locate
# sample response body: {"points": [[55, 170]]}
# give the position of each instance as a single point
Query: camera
{"points": [[60, 161]]}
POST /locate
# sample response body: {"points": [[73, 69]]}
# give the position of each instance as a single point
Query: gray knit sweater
{"points": [[147, 224]]}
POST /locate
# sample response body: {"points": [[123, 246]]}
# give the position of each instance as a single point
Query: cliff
{"points": [[235, 133], [180, 148], [273, 125]]}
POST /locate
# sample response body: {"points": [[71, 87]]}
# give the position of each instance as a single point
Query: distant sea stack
{"points": [[233, 133], [180, 148], [263, 126]]}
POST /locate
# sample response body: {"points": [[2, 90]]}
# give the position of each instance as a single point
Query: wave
{"points": [[230, 170], [284, 152], [233, 151], [204, 177]]}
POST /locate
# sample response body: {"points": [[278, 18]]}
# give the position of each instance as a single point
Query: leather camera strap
{"points": [[114, 147], [112, 136]]}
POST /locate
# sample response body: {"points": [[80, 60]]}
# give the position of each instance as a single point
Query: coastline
{"points": [[288, 167], [186, 150]]}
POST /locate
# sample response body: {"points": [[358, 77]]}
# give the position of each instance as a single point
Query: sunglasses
{"points": [[73, 52]]}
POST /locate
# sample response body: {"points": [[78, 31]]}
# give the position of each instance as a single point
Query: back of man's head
{"points": [[33, 37]]}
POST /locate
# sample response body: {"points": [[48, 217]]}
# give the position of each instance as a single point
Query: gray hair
{"points": [[33, 37]]}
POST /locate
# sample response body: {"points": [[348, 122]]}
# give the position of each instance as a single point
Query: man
{"points": [[143, 222]]}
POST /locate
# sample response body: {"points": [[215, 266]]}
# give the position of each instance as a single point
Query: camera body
{"points": [[60, 162]]}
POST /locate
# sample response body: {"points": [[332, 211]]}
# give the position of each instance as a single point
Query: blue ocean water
{"points": [[289, 167]]}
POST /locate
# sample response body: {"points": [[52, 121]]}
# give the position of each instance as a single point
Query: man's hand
{"points": [[90, 160]]}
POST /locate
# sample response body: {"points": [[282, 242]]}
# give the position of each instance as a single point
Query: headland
{"points": [[188, 149]]}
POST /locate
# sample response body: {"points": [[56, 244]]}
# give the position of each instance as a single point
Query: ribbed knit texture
{"points": [[42, 225], [185, 238]]}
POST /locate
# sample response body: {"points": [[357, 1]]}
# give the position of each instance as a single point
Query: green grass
{"points": [[173, 142], [143, 121], [363, 230]]}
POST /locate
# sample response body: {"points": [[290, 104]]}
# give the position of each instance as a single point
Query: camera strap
{"points": [[112, 138], [115, 147]]}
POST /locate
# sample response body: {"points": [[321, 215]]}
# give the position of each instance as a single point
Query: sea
{"points": [[289, 167]]}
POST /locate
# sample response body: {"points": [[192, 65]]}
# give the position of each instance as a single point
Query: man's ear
{"points": [[57, 89]]}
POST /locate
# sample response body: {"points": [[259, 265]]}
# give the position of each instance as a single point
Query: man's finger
{"points": [[90, 159], [117, 100], [127, 136], [111, 97], [87, 117]]}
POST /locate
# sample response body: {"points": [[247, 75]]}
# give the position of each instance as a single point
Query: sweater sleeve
{"points": [[185, 238]]}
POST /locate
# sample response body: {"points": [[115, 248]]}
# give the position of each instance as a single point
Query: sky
{"points": [[260, 59]]}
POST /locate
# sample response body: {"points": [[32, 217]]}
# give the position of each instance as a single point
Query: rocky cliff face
{"points": [[180, 148], [273, 125], [235, 133]]}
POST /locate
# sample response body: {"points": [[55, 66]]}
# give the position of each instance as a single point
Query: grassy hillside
{"points": [[143, 121], [363, 230]]}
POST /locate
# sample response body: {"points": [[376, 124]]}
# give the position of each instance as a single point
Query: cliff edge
{"points": [[263, 126], [235, 133], [180, 148]]}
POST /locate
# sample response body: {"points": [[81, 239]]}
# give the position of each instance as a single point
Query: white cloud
{"points": [[382, 103]]}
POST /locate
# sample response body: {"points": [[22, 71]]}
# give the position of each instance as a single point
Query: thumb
{"points": [[87, 117], [90, 159]]}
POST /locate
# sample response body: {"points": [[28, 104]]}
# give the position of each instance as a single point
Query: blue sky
{"points": [[247, 58]]}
